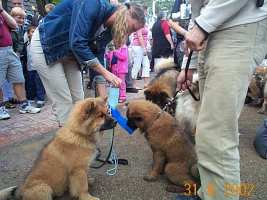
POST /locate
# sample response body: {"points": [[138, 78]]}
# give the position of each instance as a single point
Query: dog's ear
{"points": [[90, 107]]}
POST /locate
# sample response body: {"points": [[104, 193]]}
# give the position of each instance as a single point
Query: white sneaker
{"points": [[28, 108], [3, 113], [40, 104]]}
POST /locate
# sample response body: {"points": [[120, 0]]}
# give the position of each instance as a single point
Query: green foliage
{"points": [[55, 1]]}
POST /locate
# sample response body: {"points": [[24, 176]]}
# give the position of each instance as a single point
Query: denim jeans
{"points": [[34, 87]]}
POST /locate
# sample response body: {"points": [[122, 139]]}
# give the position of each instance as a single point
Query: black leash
{"points": [[103, 162], [173, 100], [108, 156], [186, 71]]}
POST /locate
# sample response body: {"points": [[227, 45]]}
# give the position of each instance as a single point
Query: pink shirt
{"points": [[144, 31], [122, 63], [5, 36]]}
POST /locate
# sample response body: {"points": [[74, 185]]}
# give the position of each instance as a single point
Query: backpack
{"points": [[260, 142]]}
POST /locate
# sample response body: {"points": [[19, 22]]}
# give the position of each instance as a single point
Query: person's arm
{"points": [[177, 28], [216, 12], [169, 38], [82, 22], [8, 19], [166, 30]]}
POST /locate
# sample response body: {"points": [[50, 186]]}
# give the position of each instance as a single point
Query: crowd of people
{"points": [[47, 59], [121, 51], [15, 65]]}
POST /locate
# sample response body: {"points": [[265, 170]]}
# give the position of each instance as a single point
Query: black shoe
{"points": [[131, 90], [186, 197]]}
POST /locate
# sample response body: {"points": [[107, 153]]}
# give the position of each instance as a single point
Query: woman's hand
{"points": [[114, 80]]}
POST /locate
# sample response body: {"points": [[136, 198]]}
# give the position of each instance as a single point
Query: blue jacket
{"points": [[71, 27]]}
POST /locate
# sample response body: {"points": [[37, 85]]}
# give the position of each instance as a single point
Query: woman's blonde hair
{"points": [[120, 27]]}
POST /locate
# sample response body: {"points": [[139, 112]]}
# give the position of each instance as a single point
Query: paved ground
{"points": [[22, 137]]}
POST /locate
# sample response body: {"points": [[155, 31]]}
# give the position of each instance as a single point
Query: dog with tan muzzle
{"points": [[63, 163], [173, 153], [162, 89]]}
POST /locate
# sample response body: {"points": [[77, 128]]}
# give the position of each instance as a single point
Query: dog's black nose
{"points": [[108, 124], [131, 124]]}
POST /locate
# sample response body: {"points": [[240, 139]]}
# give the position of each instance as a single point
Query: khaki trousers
{"points": [[225, 70], [62, 80]]}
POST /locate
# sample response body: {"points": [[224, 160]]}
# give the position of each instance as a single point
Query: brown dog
{"points": [[63, 163], [173, 153], [163, 88]]}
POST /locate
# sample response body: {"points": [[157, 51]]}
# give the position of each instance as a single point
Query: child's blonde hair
{"points": [[120, 27], [17, 11]]}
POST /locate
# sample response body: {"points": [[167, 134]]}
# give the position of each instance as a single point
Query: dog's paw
{"points": [[150, 178]]}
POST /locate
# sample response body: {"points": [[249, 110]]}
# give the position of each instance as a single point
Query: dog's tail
{"points": [[165, 64], [8, 193]]}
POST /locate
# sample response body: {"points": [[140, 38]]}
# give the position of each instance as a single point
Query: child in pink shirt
{"points": [[118, 64]]}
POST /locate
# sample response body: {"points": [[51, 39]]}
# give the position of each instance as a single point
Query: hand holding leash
{"points": [[184, 80], [181, 79]]}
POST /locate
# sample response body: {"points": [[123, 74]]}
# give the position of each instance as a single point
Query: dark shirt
{"points": [[161, 46], [5, 36], [18, 40]]}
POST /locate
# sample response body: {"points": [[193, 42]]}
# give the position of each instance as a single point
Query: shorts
{"points": [[10, 66]]}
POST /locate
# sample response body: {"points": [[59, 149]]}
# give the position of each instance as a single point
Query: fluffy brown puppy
{"points": [[63, 163], [163, 87], [173, 153]]}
